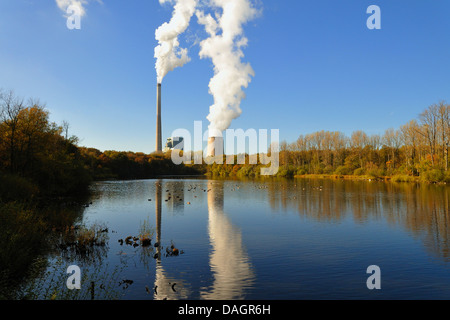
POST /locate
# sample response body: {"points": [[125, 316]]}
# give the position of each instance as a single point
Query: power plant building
{"points": [[174, 143]]}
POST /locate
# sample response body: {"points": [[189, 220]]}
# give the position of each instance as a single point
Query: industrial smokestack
{"points": [[158, 119], [215, 147]]}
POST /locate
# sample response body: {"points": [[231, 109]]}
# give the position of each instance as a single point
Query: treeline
{"points": [[39, 157], [418, 150], [133, 165]]}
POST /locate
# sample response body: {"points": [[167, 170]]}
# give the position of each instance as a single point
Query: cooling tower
{"points": [[158, 119], [215, 147]]}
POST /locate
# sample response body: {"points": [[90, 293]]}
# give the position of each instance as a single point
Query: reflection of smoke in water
{"points": [[230, 264]]}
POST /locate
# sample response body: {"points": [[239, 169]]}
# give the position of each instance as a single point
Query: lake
{"points": [[267, 239]]}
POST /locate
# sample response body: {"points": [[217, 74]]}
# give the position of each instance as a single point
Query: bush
{"points": [[358, 172], [376, 173], [22, 234], [15, 188], [328, 170], [343, 170], [433, 175], [285, 172], [402, 178], [447, 177]]}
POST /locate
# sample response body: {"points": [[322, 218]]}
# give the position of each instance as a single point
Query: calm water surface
{"points": [[275, 239]]}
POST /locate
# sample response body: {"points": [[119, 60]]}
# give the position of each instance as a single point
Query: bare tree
{"points": [[393, 140], [410, 138], [358, 142], [65, 127], [429, 128], [443, 127], [10, 108]]}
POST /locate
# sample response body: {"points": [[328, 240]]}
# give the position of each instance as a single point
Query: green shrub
{"points": [[15, 188], [358, 172], [402, 178], [433, 175], [328, 170], [22, 234], [286, 172], [343, 170], [376, 173], [447, 176]]}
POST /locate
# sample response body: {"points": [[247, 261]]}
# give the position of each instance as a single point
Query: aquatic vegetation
{"points": [[98, 282], [146, 233], [85, 243]]}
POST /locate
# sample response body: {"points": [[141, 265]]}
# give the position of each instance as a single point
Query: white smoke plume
{"points": [[224, 47], [168, 54], [64, 4]]}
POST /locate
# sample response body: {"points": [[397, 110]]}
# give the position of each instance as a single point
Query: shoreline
{"points": [[342, 177], [394, 178]]}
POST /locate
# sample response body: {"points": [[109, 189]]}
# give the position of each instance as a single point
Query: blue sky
{"points": [[317, 67]]}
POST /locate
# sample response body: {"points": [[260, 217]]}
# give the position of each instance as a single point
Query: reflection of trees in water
{"points": [[27, 237], [422, 209]]}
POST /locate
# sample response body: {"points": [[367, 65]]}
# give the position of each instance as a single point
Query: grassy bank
{"points": [[438, 178]]}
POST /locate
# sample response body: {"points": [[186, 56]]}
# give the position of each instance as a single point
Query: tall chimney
{"points": [[158, 119], [215, 147]]}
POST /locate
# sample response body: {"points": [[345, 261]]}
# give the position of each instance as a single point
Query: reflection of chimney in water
{"points": [[175, 198], [166, 286], [158, 196]]}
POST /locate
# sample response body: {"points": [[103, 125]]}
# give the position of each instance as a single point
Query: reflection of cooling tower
{"points": [[215, 147], [229, 262], [215, 197], [158, 119]]}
